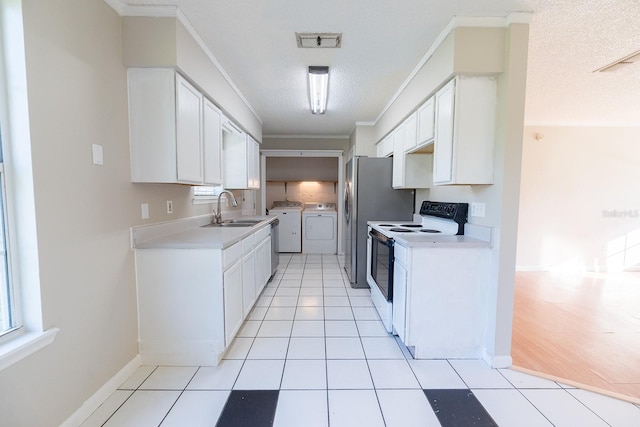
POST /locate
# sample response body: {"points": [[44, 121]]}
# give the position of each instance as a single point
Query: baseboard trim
{"points": [[575, 384], [497, 362], [103, 393]]}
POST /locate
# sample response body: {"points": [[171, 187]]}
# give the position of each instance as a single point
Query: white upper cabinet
{"points": [[241, 158], [384, 148], [426, 125], [465, 131], [170, 137], [212, 144], [409, 170], [398, 157], [189, 132]]}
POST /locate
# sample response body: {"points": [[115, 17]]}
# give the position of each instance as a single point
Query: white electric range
{"points": [[434, 219]]}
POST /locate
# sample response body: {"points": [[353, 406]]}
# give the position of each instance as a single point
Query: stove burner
{"points": [[387, 225], [411, 225], [401, 230], [427, 230]]}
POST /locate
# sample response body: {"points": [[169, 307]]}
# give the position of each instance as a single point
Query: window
{"points": [[206, 193], [21, 323], [7, 312]]}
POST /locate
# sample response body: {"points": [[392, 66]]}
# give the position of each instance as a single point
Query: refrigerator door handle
{"points": [[347, 206]]}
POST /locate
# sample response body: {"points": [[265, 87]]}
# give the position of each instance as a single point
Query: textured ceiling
{"points": [[383, 40]]}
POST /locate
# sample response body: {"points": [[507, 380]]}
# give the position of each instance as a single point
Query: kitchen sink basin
{"points": [[242, 221], [235, 223], [231, 224]]}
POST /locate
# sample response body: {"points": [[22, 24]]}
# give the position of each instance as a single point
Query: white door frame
{"points": [[305, 153]]}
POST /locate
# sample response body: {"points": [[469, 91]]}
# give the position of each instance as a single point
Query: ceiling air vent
{"points": [[627, 60], [319, 40]]}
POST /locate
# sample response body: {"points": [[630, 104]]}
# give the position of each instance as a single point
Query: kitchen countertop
{"points": [[198, 237], [425, 240]]}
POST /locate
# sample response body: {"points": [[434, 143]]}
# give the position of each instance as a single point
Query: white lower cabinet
{"points": [[263, 264], [192, 302], [233, 301], [248, 281], [399, 293], [440, 300]]}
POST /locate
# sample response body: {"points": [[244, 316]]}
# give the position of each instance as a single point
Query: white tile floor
{"points": [[321, 344]]}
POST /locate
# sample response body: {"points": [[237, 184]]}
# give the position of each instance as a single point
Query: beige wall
{"points": [[580, 206], [77, 97]]}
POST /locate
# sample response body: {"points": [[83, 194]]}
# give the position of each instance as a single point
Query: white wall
{"points": [[77, 96], [580, 205]]}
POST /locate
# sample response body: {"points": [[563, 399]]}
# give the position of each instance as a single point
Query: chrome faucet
{"points": [[217, 216]]}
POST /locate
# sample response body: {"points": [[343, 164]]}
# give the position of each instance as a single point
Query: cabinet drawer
{"points": [[263, 233], [248, 243], [231, 254], [400, 254]]}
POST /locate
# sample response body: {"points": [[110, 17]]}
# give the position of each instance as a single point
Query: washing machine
{"points": [[319, 228], [290, 227]]}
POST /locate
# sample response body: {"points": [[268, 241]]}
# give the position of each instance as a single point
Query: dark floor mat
{"points": [[255, 408], [458, 408]]}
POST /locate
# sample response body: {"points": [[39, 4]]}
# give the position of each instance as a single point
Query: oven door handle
{"points": [[376, 235]]}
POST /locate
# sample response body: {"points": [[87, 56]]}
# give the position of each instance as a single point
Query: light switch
{"points": [[169, 207], [145, 210], [477, 209], [96, 151]]}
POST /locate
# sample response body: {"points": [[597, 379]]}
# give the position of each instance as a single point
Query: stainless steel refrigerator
{"points": [[369, 196]]}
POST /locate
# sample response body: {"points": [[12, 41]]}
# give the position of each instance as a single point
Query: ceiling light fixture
{"points": [[318, 88]]}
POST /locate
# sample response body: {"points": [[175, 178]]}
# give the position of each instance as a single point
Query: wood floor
{"points": [[582, 327]]}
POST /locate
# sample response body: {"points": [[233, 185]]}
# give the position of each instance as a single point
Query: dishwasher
{"points": [[275, 249]]}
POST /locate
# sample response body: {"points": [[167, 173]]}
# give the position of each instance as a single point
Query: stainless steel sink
{"points": [[242, 221], [231, 224], [236, 223]]}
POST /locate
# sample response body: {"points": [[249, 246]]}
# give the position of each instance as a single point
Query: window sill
{"points": [[204, 200], [24, 345]]}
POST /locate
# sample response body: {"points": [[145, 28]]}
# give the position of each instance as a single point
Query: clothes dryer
{"points": [[319, 228]]}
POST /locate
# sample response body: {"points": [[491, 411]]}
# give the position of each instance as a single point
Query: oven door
{"points": [[381, 263]]}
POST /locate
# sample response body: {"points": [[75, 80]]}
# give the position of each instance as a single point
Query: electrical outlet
{"points": [[96, 154], [145, 210], [477, 209], [169, 207]]}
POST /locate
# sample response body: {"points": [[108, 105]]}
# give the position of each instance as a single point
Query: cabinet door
{"points": [[426, 121], [410, 132], [398, 157], [188, 132], [443, 149], [385, 147], [233, 315], [399, 300], [248, 281], [212, 144], [234, 147], [253, 163], [263, 264]]}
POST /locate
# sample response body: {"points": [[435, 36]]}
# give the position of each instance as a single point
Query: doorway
{"points": [[304, 175], [577, 289]]}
